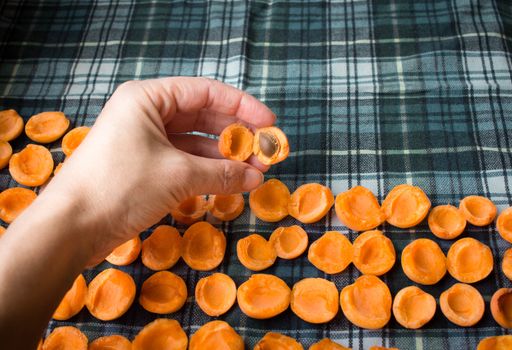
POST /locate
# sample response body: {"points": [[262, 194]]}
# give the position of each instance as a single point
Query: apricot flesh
{"points": [[270, 145], [423, 261], [331, 253], [327, 344], [289, 242], [162, 249], [163, 293], [310, 203], [162, 334], [413, 308], [73, 301], [462, 304], [190, 210], [216, 335], [358, 209], [13, 201], [501, 307], [504, 224], [500, 342], [236, 142], [126, 253], [46, 127], [32, 166], [255, 252], [405, 206], [203, 246], [446, 221], [5, 153], [277, 341], [73, 139], [11, 125], [65, 337], [269, 202], [226, 207], [111, 342], [478, 210], [215, 294], [469, 260], [373, 253], [506, 264], [314, 300]]}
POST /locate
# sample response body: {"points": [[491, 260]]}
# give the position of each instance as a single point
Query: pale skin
{"points": [[136, 163]]}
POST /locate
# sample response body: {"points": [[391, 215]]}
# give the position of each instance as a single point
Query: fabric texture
{"points": [[372, 93]]}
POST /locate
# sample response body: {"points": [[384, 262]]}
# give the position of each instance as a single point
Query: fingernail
{"points": [[252, 178]]}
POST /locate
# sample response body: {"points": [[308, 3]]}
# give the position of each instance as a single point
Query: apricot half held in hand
{"points": [[423, 261], [236, 142], [367, 302], [469, 260], [331, 253], [126, 253], [500, 342], [163, 293], [289, 242], [501, 307], [73, 139], [269, 202], [162, 334], [504, 224], [5, 153], [275, 341], [405, 206], [216, 335], [46, 127], [413, 308], [73, 301], [203, 246], [215, 294], [11, 125], [358, 209], [462, 304], [162, 249], [263, 296], [310, 202], [226, 207], [270, 145], [32, 166], [373, 253], [446, 221], [190, 210], [110, 294], [327, 344], [13, 201], [64, 338], [111, 342], [506, 264], [478, 210], [314, 300], [255, 252]]}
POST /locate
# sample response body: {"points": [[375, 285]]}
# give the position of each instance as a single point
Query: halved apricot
{"points": [[499, 342], [376, 347], [289, 242], [501, 307], [190, 210], [270, 145], [423, 261], [2, 231], [57, 168], [310, 202], [5, 153], [73, 301], [126, 253], [111, 342], [504, 224], [478, 210], [216, 335], [446, 221], [462, 304], [331, 253], [73, 139], [367, 302], [226, 207], [413, 307], [236, 142], [358, 209], [405, 206], [161, 334], [162, 249], [32, 166], [13, 201], [506, 264], [263, 296], [110, 294], [277, 341], [11, 125], [215, 294], [203, 246], [163, 293], [46, 127], [255, 252], [327, 344], [269, 202], [373, 253], [40, 344], [469, 260], [314, 300], [64, 338]]}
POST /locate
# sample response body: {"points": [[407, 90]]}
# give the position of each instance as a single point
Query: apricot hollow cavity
{"points": [[32, 166], [73, 301], [162, 249], [405, 206], [446, 221], [216, 335], [314, 300], [111, 342], [289, 242], [478, 210], [190, 210], [5, 153], [66, 337], [13, 201], [310, 203], [11, 125], [163, 293], [263, 296], [413, 308], [255, 252], [215, 294], [126, 253], [331, 253], [73, 139], [423, 261], [469, 260], [162, 333], [501, 307], [226, 207], [500, 342], [203, 246], [270, 145], [358, 209], [46, 127], [327, 344], [506, 264], [373, 253], [462, 304], [269, 202], [236, 142], [367, 302], [504, 224]]}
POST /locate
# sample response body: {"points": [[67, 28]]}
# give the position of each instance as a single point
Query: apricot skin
{"points": [[501, 307], [358, 209]]}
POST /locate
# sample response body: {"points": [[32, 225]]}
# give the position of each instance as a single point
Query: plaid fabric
{"points": [[374, 93]]}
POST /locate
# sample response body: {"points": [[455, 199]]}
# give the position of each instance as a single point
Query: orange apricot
{"points": [[269, 202], [423, 261], [216, 335], [190, 210], [331, 253], [413, 308], [46, 127], [65, 338], [73, 139], [373, 253], [215, 294], [32, 166], [446, 221], [358, 209], [13, 201], [163, 293], [367, 302], [289, 242], [499, 342], [255, 252], [226, 207], [310, 203], [5, 153], [110, 294], [275, 341], [73, 301], [57, 168], [2, 231], [478, 210], [506, 264], [469, 260], [405, 206], [462, 304], [161, 334], [270, 145], [126, 253], [504, 224], [501, 307], [162, 249], [236, 142], [40, 344], [263, 296], [327, 344], [314, 300], [11, 125], [203, 246], [375, 347], [111, 342]]}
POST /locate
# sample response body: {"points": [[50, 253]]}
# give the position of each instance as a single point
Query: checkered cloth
{"points": [[372, 93]]}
